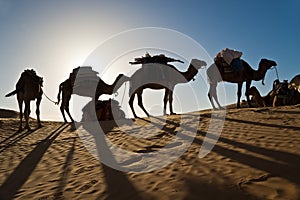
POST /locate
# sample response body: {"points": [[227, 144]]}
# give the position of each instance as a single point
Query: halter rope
{"points": [[49, 98], [276, 72]]}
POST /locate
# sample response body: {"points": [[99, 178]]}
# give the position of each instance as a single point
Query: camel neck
{"points": [[261, 72], [190, 73]]}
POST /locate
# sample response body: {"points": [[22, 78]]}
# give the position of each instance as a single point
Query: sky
{"points": [[53, 37]]}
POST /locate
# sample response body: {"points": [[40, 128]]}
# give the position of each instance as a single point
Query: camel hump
{"points": [[32, 75], [156, 72]]}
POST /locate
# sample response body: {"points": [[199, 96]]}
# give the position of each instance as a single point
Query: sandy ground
{"points": [[257, 156]]}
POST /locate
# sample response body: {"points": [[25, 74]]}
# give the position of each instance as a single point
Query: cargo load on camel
{"points": [[102, 111], [159, 62], [84, 80], [161, 58]]}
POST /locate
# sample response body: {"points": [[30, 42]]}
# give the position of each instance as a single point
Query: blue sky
{"points": [[56, 36]]}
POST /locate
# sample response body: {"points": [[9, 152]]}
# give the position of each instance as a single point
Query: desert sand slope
{"points": [[256, 157], [4, 113]]}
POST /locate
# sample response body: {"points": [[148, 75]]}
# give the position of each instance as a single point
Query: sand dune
{"points": [[4, 113], [257, 156]]}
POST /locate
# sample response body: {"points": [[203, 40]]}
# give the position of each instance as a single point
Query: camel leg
{"points": [[131, 104], [275, 101], [26, 114], [239, 94], [211, 101], [38, 102], [140, 102], [166, 100], [171, 102], [62, 109], [63, 106], [248, 84], [20, 102], [66, 106], [212, 94], [68, 111]]}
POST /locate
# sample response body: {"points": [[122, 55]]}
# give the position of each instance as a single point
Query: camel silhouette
{"points": [[160, 76], [88, 86], [28, 87], [261, 101], [217, 74]]}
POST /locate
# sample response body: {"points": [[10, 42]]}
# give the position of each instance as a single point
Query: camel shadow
{"points": [[287, 168], [118, 184], [66, 172], [254, 123], [14, 138], [23, 171], [287, 112]]}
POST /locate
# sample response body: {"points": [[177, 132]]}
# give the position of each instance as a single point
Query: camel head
{"points": [[267, 64], [197, 64]]}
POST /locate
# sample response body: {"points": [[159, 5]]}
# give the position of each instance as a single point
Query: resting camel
{"points": [[160, 76], [247, 74], [295, 83], [287, 93], [29, 87], [66, 88], [262, 101]]}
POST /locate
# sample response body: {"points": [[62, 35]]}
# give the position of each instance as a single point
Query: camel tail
{"points": [[11, 93]]}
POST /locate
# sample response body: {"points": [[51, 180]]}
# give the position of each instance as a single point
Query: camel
{"points": [[216, 74], [67, 89], [28, 87], [295, 83], [280, 95], [160, 76], [262, 101], [287, 93]]}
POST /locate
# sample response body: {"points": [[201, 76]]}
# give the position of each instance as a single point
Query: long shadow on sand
{"points": [[254, 123], [287, 112], [14, 138], [22, 172], [118, 185], [66, 172], [288, 168]]}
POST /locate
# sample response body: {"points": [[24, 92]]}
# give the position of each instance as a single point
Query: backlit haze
{"points": [[53, 37]]}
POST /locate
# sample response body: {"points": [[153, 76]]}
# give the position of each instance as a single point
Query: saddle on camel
{"points": [[228, 60]]}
